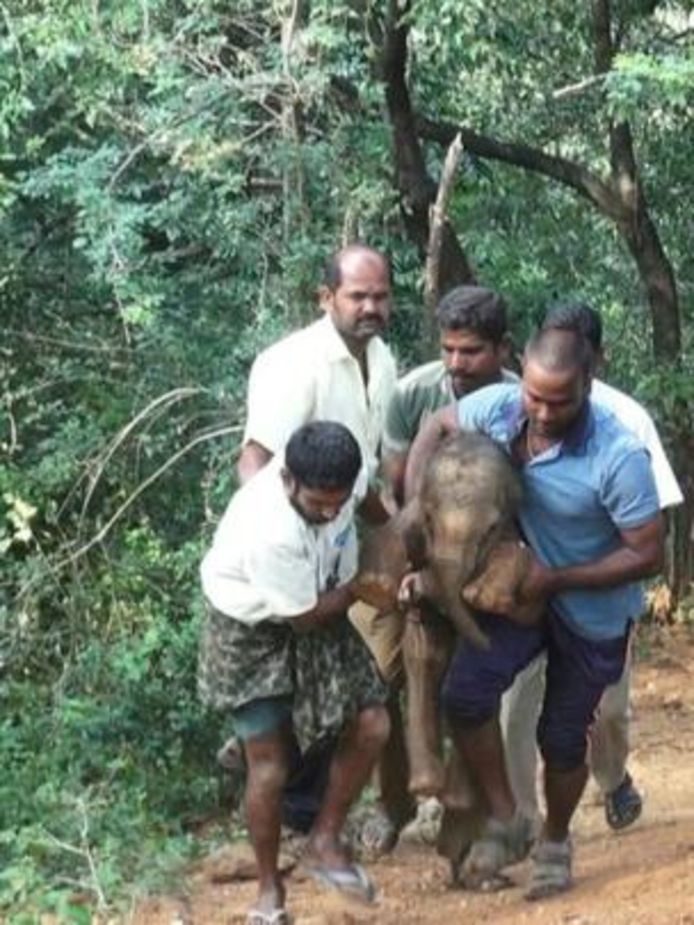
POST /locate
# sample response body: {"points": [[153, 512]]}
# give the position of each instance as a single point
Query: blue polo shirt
{"points": [[578, 495]]}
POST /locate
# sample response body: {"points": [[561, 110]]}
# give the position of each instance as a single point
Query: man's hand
{"points": [[411, 590], [538, 583], [500, 587]]}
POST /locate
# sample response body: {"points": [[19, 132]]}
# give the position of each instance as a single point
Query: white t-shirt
{"points": [[636, 419], [311, 375], [266, 561]]}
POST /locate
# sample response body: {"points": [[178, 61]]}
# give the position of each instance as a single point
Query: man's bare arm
{"points": [[640, 556], [435, 429], [331, 605], [252, 459]]}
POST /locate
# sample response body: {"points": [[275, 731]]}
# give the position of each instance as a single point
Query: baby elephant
{"points": [[459, 533], [464, 511]]}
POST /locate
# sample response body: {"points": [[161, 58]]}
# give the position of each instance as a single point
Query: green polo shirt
{"points": [[420, 393]]}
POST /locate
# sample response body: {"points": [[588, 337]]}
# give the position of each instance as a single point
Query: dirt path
{"points": [[644, 876]]}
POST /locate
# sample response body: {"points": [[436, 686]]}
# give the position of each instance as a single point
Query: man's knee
{"points": [[467, 703], [372, 727], [268, 772], [563, 746]]}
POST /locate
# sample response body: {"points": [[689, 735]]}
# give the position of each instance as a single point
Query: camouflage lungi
{"points": [[329, 673]]}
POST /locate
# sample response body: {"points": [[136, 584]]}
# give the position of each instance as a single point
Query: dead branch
{"points": [[141, 488], [165, 400], [577, 88], [437, 221]]}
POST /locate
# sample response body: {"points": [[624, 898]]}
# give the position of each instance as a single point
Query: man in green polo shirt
{"points": [[474, 347]]}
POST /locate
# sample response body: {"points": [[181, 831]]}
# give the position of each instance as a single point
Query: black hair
{"points": [[576, 316], [473, 308], [323, 454], [561, 350], [332, 270]]}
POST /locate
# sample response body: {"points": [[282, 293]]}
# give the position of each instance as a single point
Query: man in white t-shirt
{"points": [[610, 734], [335, 369], [280, 655]]}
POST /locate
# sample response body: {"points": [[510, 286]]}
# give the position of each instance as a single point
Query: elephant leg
{"points": [[427, 647], [464, 815]]}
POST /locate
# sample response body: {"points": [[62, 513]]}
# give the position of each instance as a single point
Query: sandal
{"points": [[378, 834], [623, 806], [500, 845], [551, 869], [352, 881]]}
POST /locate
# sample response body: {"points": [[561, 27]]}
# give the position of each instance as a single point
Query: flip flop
{"points": [[276, 917], [352, 881], [623, 806]]}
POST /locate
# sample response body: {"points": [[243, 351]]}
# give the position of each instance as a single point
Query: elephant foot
{"points": [[427, 782]]}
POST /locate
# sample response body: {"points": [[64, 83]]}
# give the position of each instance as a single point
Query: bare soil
{"points": [[643, 876]]}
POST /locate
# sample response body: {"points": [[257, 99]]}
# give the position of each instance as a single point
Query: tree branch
{"points": [[577, 88], [622, 158], [437, 223], [570, 173]]}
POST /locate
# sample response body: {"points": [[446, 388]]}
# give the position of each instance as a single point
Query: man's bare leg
{"points": [[267, 759], [351, 766], [563, 791]]}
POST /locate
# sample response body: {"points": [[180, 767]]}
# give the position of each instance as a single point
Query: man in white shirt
{"points": [[338, 369], [335, 369], [610, 734], [279, 653]]}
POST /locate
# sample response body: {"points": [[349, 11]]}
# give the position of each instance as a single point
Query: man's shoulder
{"points": [[423, 379], [492, 398], [494, 410], [625, 408], [293, 343], [613, 441], [261, 507]]}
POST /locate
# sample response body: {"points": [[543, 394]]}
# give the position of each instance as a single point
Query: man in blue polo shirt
{"points": [[591, 515]]}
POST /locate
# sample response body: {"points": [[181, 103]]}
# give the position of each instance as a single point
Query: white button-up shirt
{"points": [[311, 375]]}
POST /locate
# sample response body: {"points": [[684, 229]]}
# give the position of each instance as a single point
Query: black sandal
{"points": [[623, 806]]}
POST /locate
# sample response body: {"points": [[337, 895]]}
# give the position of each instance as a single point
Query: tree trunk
{"points": [[658, 280], [416, 187]]}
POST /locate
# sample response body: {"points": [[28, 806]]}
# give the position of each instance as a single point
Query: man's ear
{"points": [[325, 298], [504, 348], [288, 480]]}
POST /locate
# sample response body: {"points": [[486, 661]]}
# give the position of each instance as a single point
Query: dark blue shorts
{"points": [[578, 671]]}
